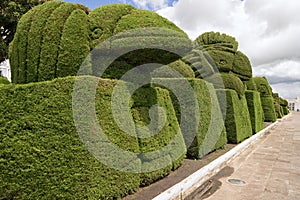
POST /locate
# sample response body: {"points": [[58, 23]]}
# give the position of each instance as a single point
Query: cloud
{"points": [[267, 32], [151, 4]]}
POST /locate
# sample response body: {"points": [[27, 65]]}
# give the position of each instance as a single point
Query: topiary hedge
{"points": [[49, 44], [181, 67], [215, 40], [222, 59], [266, 97], [229, 81], [42, 155], [211, 134], [237, 120], [255, 110], [143, 99], [242, 66], [250, 84]]}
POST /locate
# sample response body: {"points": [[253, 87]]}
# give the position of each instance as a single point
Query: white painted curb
{"points": [[191, 183]]}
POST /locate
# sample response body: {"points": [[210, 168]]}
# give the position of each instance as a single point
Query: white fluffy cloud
{"points": [[267, 31], [151, 4]]}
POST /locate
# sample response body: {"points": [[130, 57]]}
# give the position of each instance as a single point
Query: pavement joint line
{"points": [[182, 189]]}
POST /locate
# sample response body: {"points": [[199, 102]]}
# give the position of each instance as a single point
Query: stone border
{"points": [[182, 189]]}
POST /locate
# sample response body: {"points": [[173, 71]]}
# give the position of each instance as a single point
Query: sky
{"points": [[268, 31]]}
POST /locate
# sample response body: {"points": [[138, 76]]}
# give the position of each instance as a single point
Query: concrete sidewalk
{"points": [[268, 170]]}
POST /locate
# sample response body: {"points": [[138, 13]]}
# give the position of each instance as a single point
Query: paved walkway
{"points": [[270, 168]]}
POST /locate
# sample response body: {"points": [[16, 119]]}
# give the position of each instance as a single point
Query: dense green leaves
{"points": [[255, 110]]}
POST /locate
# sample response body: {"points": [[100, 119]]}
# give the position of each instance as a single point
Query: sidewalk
{"points": [[269, 170]]}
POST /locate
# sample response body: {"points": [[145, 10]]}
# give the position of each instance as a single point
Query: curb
{"points": [[182, 189]]}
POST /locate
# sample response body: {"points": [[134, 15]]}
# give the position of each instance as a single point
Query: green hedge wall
{"points": [[250, 84], [268, 108], [42, 155], [143, 99], [209, 114], [229, 81], [255, 110], [266, 97], [237, 120], [242, 66]]}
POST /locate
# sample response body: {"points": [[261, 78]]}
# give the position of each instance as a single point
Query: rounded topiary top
{"points": [[52, 40], [217, 41], [242, 66], [263, 86]]}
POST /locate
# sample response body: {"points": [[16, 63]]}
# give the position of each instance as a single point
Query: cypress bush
{"points": [[50, 39], [210, 130], [215, 40], [255, 110], [4, 81], [229, 81], [250, 84], [42, 154], [242, 66], [222, 59], [237, 120], [181, 67], [267, 100]]}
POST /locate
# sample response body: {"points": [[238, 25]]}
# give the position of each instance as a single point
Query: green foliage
{"points": [[250, 84], [11, 12], [222, 59], [48, 42], [210, 124], [227, 81], [103, 21], [35, 38], [242, 66], [179, 66], [4, 81], [237, 120], [285, 110], [74, 44], [41, 153], [263, 86], [215, 40], [268, 108], [255, 110], [143, 99]]}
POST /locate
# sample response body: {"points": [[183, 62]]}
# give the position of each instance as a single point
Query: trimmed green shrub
{"points": [[222, 59], [201, 63], [237, 120], [255, 110], [242, 66], [143, 99], [179, 66], [285, 110], [284, 105], [48, 42], [250, 84], [103, 21], [211, 125], [229, 81], [215, 40], [268, 108], [4, 81], [279, 113], [263, 86], [41, 153]]}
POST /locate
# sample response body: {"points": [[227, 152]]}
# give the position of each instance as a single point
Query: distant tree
{"points": [[10, 12]]}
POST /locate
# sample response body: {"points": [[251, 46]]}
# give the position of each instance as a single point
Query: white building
{"points": [[5, 69], [294, 104]]}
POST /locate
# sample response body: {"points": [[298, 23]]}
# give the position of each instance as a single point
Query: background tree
{"points": [[10, 12]]}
